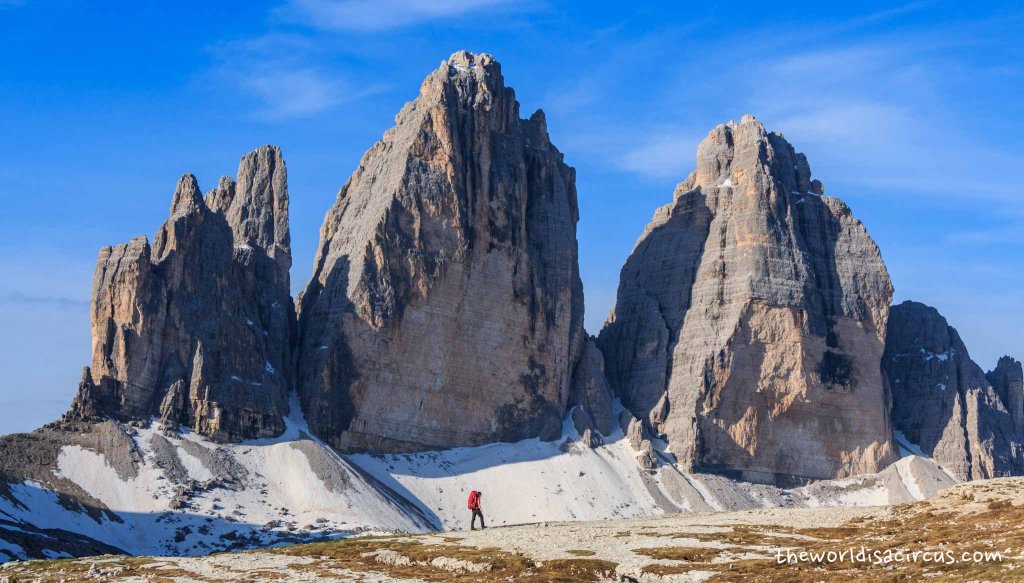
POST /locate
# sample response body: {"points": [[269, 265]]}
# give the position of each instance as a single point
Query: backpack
{"points": [[474, 500]]}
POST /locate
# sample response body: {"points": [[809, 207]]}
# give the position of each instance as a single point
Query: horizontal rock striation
{"points": [[750, 319], [446, 307], [196, 328], [944, 403]]}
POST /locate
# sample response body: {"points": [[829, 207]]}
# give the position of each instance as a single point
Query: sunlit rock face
{"points": [[446, 307], [750, 320], [196, 328]]}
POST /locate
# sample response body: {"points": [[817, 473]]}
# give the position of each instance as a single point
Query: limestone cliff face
{"points": [[750, 320], [943, 402], [196, 327], [445, 307]]}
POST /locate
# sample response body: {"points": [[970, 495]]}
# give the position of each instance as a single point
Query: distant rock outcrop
{"points": [[1008, 381], [590, 394], [446, 307], [943, 402], [750, 320], [196, 328]]}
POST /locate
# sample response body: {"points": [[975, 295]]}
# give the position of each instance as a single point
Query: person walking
{"points": [[474, 505]]}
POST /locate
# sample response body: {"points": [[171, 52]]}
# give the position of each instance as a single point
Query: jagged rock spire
{"points": [[197, 328], [187, 197]]}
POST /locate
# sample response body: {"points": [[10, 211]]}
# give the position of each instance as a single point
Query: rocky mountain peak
{"points": [[745, 156], [219, 199], [752, 310], [445, 307], [187, 197], [258, 213], [464, 83], [197, 329], [1008, 381]]}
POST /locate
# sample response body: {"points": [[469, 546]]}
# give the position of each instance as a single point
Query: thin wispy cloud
{"points": [[52, 301], [287, 94], [668, 155], [381, 15], [1002, 235], [888, 14], [875, 112], [281, 76]]}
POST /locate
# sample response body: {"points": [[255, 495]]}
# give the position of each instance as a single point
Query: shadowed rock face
{"points": [[943, 402], [445, 307], [1008, 381], [196, 327], [750, 320], [590, 393]]}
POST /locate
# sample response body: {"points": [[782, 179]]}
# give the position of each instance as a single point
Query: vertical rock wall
{"points": [[750, 320], [196, 328], [446, 307]]}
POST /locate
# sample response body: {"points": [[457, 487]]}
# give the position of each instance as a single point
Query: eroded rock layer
{"points": [[943, 402], [196, 328], [445, 307], [750, 320]]}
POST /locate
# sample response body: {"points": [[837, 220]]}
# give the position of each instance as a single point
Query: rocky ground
{"points": [[980, 517]]}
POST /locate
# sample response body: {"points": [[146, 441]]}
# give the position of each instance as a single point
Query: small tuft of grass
{"points": [[581, 553], [688, 554], [666, 570]]}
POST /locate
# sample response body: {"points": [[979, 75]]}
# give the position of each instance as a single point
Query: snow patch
{"points": [[523, 482], [906, 447], [908, 478], [941, 356], [194, 466]]}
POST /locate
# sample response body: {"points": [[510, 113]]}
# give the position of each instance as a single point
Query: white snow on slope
{"points": [[280, 496], [907, 477], [295, 487], [524, 482], [194, 466], [93, 474], [906, 446]]}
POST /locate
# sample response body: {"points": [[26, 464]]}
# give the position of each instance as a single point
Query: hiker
{"points": [[474, 505]]}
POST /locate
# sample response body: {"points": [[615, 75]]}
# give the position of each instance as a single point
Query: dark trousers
{"points": [[477, 512]]}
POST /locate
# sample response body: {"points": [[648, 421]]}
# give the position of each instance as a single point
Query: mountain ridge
{"points": [[439, 346]]}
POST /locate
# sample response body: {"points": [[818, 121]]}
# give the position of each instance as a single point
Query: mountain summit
{"points": [[751, 341], [196, 328], [446, 307], [750, 320]]}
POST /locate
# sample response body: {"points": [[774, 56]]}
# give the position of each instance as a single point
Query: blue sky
{"points": [[912, 113]]}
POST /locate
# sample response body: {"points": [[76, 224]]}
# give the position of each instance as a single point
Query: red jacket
{"points": [[474, 500]]}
